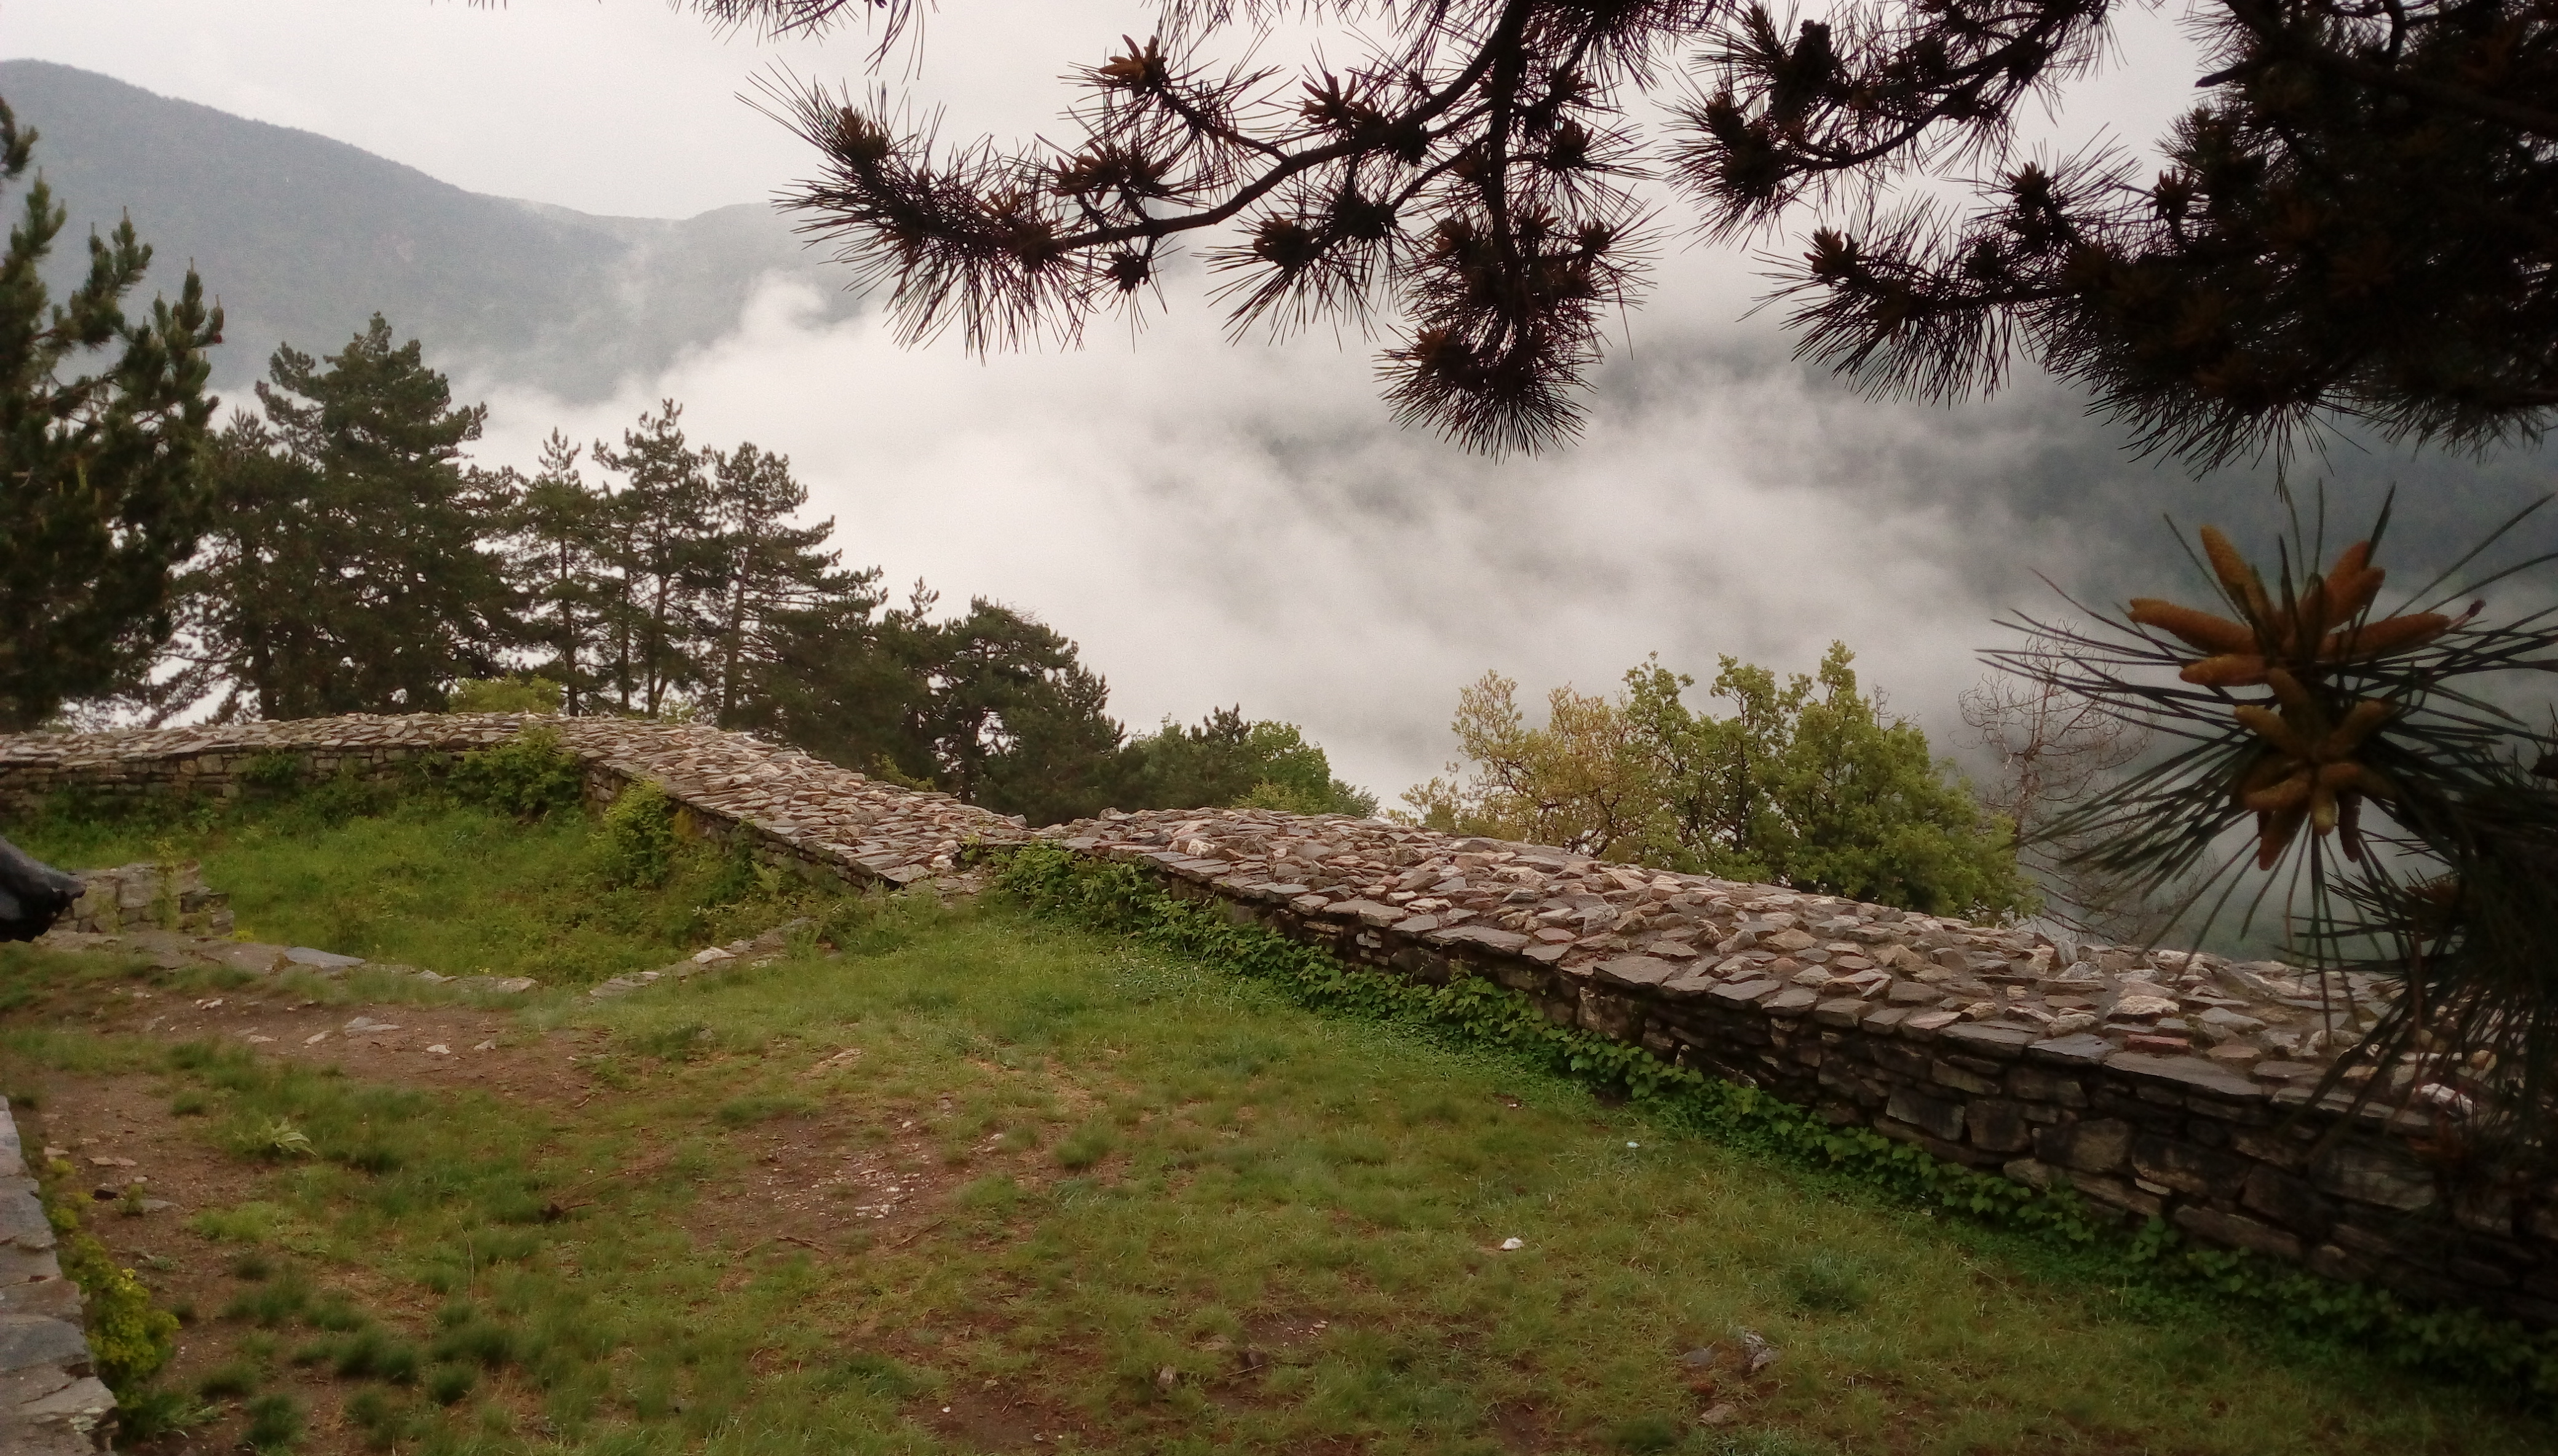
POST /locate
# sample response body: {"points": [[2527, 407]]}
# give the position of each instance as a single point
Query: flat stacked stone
{"points": [[50, 1400], [1695, 935], [805, 810]]}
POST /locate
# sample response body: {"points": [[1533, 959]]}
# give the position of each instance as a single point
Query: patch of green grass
{"points": [[1154, 1208], [275, 1423], [424, 881]]}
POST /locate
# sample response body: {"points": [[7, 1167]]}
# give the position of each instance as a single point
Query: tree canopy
{"points": [[2351, 223], [99, 488], [1808, 783]]}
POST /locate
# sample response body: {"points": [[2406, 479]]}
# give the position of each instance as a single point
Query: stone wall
{"points": [[50, 1401], [2157, 1084], [2162, 1084], [807, 814]]}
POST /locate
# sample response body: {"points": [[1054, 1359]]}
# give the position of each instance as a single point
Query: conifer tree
{"points": [[100, 473], [773, 575], [352, 569], [665, 558], [2353, 223], [559, 535]]}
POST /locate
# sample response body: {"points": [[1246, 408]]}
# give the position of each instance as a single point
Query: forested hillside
{"points": [[302, 238]]}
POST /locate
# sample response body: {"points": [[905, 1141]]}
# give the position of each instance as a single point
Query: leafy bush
{"points": [[527, 694], [129, 1337], [637, 847], [529, 776]]}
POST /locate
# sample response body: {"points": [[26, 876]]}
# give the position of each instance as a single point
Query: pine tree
{"points": [[2352, 224], [352, 569], [772, 576], [664, 557], [559, 535], [100, 474]]}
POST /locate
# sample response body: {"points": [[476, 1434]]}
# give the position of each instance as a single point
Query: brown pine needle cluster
{"points": [[2306, 770]]}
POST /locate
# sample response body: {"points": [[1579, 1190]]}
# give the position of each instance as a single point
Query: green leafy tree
{"points": [[100, 474], [353, 566], [1229, 761], [1808, 783]]}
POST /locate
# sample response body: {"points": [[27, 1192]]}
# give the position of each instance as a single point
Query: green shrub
{"points": [[274, 1422], [129, 1337], [522, 693], [529, 776], [637, 845]]}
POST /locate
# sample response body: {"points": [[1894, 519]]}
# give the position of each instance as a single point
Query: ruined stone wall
{"points": [[806, 814], [2158, 1084], [2161, 1084]]}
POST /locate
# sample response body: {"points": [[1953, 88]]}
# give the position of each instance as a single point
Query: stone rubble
{"points": [[143, 895], [763, 950], [174, 951]]}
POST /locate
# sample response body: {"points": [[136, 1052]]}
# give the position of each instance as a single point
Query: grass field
{"points": [[971, 1182]]}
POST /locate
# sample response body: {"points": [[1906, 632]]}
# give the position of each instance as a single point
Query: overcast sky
{"points": [[1219, 523]]}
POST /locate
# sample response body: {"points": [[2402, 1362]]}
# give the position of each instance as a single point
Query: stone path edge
{"points": [[51, 1399]]}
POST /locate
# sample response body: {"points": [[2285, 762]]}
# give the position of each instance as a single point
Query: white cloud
{"points": [[1220, 523]]}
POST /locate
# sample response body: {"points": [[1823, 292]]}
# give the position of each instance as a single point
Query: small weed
{"points": [[373, 1354], [189, 1104], [274, 1422], [252, 1266], [380, 1417], [279, 1138], [681, 1043], [335, 1312], [1644, 1433], [757, 1107], [478, 1340], [272, 1304], [876, 1374]]}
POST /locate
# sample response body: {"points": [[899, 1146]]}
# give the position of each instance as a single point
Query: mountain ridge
{"points": [[304, 237]]}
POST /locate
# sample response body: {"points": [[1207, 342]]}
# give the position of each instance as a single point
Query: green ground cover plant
{"points": [[443, 879], [982, 1180]]}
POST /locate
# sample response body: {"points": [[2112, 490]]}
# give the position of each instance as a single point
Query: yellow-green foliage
{"points": [[526, 694], [129, 1337], [1808, 783], [640, 835]]}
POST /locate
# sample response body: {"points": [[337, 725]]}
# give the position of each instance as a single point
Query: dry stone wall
{"points": [[2157, 1084], [807, 814], [50, 1401]]}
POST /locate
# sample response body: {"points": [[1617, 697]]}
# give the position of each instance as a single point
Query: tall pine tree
{"points": [[350, 571], [101, 499]]}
